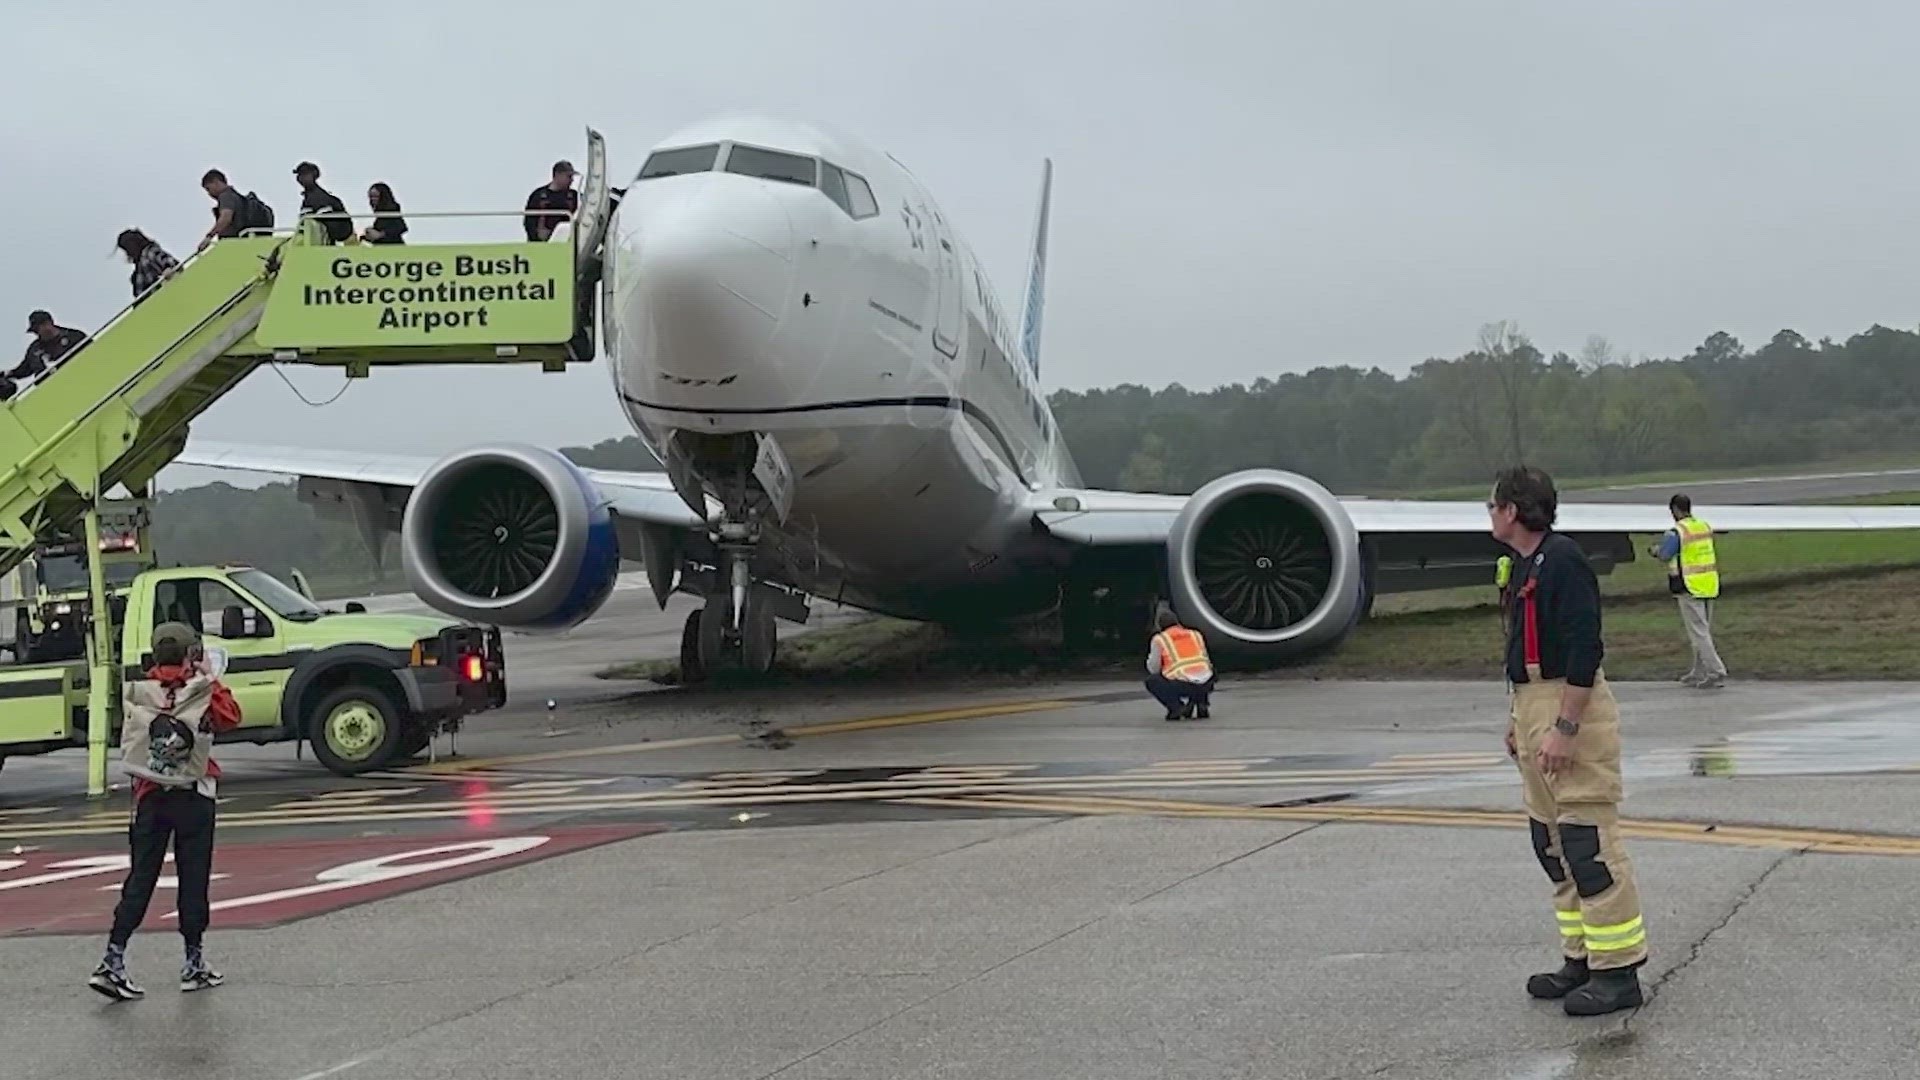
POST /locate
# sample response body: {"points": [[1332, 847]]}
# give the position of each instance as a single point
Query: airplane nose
{"points": [[712, 270]]}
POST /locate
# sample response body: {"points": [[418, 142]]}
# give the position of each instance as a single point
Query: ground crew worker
{"points": [[1564, 733], [551, 203], [1693, 578], [172, 716], [1179, 674]]}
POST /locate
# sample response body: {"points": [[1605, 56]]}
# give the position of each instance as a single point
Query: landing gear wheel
{"points": [[712, 637], [758, 639], [691, 669], [355, 729]]}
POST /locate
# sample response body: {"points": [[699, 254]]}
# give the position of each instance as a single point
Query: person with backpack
{"points": [[315, 199], [171, 718], [232, 211]]}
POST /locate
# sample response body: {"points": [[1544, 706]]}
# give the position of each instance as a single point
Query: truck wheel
{"points": [[355, 729], [413, 740]]}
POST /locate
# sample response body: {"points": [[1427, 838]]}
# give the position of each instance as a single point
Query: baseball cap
{"points": [[38, 317], [172, 641], [563, 166]]}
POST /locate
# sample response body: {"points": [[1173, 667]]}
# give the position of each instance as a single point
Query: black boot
{"points": [[1607, 991], [1558, 984], [1201, 711]]}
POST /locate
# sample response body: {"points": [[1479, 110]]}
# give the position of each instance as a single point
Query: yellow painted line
{"points": [[838, 727], [1824, 841]]}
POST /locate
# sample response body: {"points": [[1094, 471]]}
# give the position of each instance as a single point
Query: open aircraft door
{"points": [[590, 224]]}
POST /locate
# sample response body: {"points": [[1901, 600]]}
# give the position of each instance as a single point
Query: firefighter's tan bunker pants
{"points": [[1575, 825]]}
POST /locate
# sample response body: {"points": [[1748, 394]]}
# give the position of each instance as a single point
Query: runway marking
{"points": [[1818, 841], [702, 793], [837, 727]]}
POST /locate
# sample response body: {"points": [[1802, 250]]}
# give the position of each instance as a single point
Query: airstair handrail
{"points": [[126, 384]]}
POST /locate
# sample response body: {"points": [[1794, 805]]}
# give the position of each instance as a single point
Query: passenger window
{"points": [[834, 183], [770, 165], [686, 159], [860, 197]]}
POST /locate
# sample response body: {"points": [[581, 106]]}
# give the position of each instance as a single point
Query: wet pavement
{"points": [[1324, 880]]}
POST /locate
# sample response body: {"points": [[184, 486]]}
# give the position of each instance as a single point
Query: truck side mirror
{"points": [[233, 623]]}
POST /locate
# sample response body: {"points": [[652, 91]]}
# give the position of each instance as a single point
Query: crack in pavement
{"points": [[1694, 952], [1022, 954]]}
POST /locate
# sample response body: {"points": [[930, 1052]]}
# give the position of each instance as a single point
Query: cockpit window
{"points": [[685, 159], [770, 165], [860, 197], [834, 183]]}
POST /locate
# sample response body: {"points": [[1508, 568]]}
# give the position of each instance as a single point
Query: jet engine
{"points": [[513, 536], [1266, 561]]}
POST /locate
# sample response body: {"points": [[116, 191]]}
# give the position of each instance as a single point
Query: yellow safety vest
{"points": [[1694, 562], [1183, 655]]}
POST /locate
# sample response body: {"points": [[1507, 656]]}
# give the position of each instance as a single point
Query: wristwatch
{"points": [[1566, 727]]}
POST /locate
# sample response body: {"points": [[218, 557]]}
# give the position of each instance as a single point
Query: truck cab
{"points": [[51, 594], [364, 690]]}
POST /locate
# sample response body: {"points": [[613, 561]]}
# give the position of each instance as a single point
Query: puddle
{"points": [[1885, 743]]}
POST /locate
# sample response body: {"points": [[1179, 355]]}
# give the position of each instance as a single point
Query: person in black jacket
{"points": [[51, 344], [388, 226], [1564, 734]]}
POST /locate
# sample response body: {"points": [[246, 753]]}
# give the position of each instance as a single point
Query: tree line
{"points": [[1447, 421]]}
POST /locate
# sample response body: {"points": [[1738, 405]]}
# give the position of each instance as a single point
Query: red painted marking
{"points": [[268, 884]]}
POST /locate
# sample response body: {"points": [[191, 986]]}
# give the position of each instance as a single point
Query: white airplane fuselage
{"points": [[864, 339]]}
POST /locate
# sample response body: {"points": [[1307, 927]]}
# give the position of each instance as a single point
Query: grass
{"points": [[1862, 462], [1795, 606]]}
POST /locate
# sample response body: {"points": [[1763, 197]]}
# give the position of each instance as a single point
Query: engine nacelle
{"points": [[1266, 561], [514, 536]]}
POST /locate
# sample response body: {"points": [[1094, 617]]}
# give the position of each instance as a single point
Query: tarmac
{"points": [[1325, 880]]}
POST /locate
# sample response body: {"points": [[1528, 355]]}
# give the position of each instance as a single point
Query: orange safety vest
{"points": [[1183, 655]]}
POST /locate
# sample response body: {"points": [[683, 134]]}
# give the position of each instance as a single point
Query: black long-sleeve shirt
{"points": [[1565, 597]]}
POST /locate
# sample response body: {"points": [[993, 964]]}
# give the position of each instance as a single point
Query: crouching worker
{"points": [[1179, 675], [166, 739]]}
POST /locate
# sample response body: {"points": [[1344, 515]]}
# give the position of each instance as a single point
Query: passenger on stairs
{"points": [[151, 263], [388, 226], [51, 343], [318, 201]]}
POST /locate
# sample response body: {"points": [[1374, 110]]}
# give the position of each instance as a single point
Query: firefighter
{"points": [[1693, 577], [1564, 734], [1179, 674]]}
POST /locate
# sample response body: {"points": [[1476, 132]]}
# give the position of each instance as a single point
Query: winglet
{"points": [[1037, 273]]}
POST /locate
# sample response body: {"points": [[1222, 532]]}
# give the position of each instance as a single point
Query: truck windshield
{"points": [[285, 602], [68, 573]]}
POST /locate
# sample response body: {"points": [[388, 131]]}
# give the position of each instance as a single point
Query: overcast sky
{"points": [[1241, 188]]}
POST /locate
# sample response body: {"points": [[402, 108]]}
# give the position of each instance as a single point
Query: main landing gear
{"points": [[734, 628]]}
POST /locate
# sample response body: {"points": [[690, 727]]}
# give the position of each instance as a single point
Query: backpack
{"points": [[166, 749], [257, 214], [338, 228]]}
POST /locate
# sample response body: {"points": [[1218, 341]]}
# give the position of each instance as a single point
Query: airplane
{"points": [[846, 412]]}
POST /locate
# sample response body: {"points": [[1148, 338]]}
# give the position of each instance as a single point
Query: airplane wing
{"points": [[638, 496], [1116, 518]]}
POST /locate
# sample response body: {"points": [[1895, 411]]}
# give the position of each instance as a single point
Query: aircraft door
{"points": [[946, 321]]}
